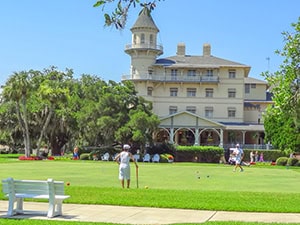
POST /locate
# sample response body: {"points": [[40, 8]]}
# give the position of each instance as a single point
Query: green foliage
{"points": [[210, 154], [164, 158], [282, 161], [292, 161], [118, 17], [85, 156], [269, 155], [282, 120], [64, 112]]}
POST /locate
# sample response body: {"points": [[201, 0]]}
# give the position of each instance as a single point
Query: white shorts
{"points": [[238, 160], [124, 172]]}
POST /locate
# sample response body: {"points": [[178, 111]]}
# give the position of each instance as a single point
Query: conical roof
{"points": [[145, 20]]}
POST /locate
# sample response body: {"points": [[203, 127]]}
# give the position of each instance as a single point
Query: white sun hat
{"points": [[126, 146]]}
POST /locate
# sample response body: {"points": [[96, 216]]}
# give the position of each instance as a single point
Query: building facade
{"points": [[200, 99]]}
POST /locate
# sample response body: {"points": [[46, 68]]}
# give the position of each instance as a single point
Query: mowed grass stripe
{"points": [[176, 185]]}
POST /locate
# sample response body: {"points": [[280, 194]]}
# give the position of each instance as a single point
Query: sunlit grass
{"points": [[176, 185]]}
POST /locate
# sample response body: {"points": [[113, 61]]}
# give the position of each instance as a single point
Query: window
{"points": [[231, 74], [191, 92], [142, 38], [173, 74], [209, 112], [247, 88], [231, 112], [209, 73], [150, 72], [191, 73], [191, 109], [151, 39], [172, 109], [209, 92], [133, 70], [149, 91], [173, 92], [231, 93], [134, 39]]}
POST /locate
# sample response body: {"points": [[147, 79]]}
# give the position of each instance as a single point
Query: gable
{"points": [[186, 119]]}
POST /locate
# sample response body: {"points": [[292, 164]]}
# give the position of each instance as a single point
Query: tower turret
{"points": [[143, 48]]}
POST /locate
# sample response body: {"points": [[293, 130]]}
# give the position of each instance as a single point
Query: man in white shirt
{"points": [[239, 154]]}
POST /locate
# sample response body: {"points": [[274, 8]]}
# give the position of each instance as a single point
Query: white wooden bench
{"points": [[17, 190]]}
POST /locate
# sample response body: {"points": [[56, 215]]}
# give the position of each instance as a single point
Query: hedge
{"points": [[207, 154]]}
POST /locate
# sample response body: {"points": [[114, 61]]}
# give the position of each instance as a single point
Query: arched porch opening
{"points": [[162, 135], [209, 136], [184, 136]]}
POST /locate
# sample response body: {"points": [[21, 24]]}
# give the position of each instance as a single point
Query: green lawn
{"points": [[47, 222], [177, 185]]}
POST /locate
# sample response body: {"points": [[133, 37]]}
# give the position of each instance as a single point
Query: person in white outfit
{"points": [[123, 159], [239, 154]]}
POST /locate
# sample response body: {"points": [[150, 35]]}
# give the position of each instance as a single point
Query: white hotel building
{"points": [[200, 99]]}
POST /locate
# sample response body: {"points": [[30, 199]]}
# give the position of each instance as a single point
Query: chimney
{"points": [[206, 50], [181, 49]]}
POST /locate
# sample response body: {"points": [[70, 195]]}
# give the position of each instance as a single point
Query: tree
{"points": [[17, 90], [140, 125], [282, 120], [34, 95], [118, 17], [52, 108]]}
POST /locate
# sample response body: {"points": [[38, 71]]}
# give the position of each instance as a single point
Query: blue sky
{"points": [[71, 34]]}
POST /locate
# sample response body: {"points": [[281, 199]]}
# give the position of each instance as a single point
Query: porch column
{"points": [[172, 131], [221, 138], [196, 137], [244, 134], [197, 133], [172, 135]]}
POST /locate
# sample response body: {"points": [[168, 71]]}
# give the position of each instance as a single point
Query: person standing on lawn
{"points": [[123, 159], [239, 154]]}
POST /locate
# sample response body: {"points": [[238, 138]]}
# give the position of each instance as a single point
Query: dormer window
{"points": [[231, 74], [209, 73]]}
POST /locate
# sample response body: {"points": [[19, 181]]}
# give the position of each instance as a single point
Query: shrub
{"points": [[208, 154], [298, 163], [161, 148], [282, 161], [292, 161], [269, 155], [85, 156], [166, 157]]}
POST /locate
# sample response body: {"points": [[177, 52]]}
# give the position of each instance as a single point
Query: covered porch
{"points": [[186, 128]]}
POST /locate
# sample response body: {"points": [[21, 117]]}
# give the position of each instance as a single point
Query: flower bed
{"points": [[23, 157]]}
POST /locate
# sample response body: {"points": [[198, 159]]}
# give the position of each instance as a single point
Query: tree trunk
{"points": [[24, 126], [44, 130], [57, 142]]}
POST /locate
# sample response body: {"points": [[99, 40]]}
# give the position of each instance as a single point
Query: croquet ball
{"points": [[207, 176], [68, 183], [198, 177], [146, 187]]}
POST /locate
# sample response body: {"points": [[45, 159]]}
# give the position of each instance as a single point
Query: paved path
{"points": [[145, 215]]}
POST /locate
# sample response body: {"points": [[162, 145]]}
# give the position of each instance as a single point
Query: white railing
{"points": [[172, 78], [151, 46]]}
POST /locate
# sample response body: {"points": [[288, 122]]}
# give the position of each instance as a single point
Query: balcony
{"points": [[154, 47], [173, 78]]}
